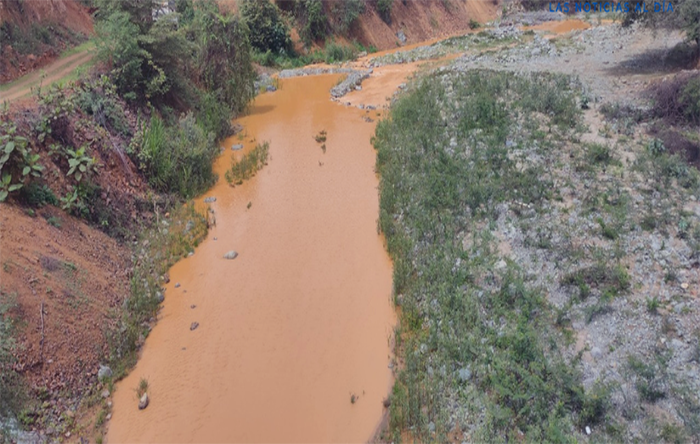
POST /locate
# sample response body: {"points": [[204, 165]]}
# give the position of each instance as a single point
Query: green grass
{"points": [[457, 314], [250, 164]]}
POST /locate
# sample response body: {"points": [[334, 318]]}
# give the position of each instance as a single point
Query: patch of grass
{"points": [[467, 332], [142, 387], [158, 248], [653, 305], [650, 377], [250, 164]]}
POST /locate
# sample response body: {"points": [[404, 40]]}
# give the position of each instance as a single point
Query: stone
{"points": [[104, 372], [596, 352], [588, 430], [271, 88], [105, 393], [231, 255], [209, 199], [177, 285], [401, 36], [143, 402], [193, 326], [464, 374], [684, 285], [237, 147], [160, 297]]}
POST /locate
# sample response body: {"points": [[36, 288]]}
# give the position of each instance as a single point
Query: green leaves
{"points": [[80, 164], [16, 162]]}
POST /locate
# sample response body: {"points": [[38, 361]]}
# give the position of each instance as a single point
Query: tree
{"points": [[270, 31]]}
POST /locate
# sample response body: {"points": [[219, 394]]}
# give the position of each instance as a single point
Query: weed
{"points": [[142, 387], [250, 164], [653, 305]]}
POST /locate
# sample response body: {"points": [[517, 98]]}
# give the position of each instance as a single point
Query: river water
{"points": [[302, 319]]}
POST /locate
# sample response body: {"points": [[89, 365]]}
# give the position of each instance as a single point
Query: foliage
{"points": [[678, 99], [177, 160], [250, 164], [312, 19], [159, 247], [224, 57], [98, 98], [11, 391], [17, 162], [470, 334], [270, 32], [346, 14], [384, 9], [80, 164]]}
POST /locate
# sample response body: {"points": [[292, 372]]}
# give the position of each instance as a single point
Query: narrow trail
{"points": [[302, 320], [55, 71]]}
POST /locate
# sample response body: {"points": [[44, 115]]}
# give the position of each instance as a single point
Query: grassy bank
{"points": [[510, 237]]}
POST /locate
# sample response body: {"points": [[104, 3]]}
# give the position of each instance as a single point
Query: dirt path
{"points": [[56, 71]]}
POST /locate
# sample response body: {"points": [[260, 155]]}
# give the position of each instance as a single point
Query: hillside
{"points": [[33, 33]]}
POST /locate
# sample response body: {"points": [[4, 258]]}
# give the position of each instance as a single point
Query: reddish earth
{"points": [[64, 15], [78, 276]]}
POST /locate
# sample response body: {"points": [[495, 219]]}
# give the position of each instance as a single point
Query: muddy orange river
{"points": [[302, 319]]}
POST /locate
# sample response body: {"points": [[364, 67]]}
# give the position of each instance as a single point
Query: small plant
{"points": [[384, 9], [17, 163], [656, 147], [250, 164], [320, 137], [584, 101], [80, 164], [473, 24], [653, 305], [142, 387]]}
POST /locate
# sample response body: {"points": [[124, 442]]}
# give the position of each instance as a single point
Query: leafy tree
{"points": [[685, 16], [313, 19], [269, 30], [224, 56]]}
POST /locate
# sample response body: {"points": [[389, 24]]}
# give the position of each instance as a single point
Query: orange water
{"points": [[302, 319]]}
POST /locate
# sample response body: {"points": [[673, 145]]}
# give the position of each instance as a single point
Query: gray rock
{"points": [[401, 36], [160, 297], [177, 285], [231, 255], [143, 402], [237, 147], [464, 374], [596, 352], [271, 88], [104, 372], [209, 199], [193, 326]]}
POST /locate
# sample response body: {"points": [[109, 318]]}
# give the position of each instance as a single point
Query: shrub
{"points": [[225, 57], [98, 98], [270, 33], [334, 53], [312, 18], [177, 160], [384, 9], [677, 100], [250, 164], [17, 162], [346, 14]]}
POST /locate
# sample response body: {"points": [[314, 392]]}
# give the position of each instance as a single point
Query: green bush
{"points": [[270, 33], [98, 98], [346, 14], [250, 164], [334, 53], [12, 393], [384, 9], [312, 19], [224, 57], [177, 159], [18, 164]]}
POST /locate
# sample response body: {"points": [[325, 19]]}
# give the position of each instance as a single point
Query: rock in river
{"points": [[143, 402], [231, 255]]}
